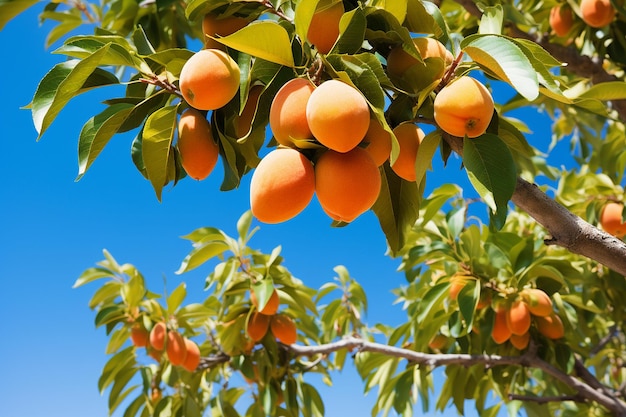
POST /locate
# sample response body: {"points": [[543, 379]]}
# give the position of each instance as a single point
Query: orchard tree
{"points": [[350, 101]]}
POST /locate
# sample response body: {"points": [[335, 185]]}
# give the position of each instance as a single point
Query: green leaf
{"points": [[120, 52], [11, 8], [432, 299], [120, 361], [263, 291], [97, 132], [352, 32], [62, 83], [491, 170], [201, 254], [68, 21], [158, 135], [504, 60], [425, 152], [612, 90], [91, 275], [264, 39], [109, 315], [491, 20], [397, 207], [176, 298]]}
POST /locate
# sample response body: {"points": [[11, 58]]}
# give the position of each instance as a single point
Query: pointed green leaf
{"points": [[264, 39], [491, 20], [11, 8], [97, 132], [425, 152], [505, 60], [201, 254], [176, 298], [615, 90], [158, 135], [491, 170], [68, 21], [120, 52], [60, 85]]}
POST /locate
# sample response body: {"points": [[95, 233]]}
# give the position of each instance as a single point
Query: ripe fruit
{"points": [[518, 318], [409, 138], [209, 79], [213, 25], [244, 120], [176, 350], [438, 342], [271, 307], [338, 115], [611, 219], [288, 111], [257, 326], [378, 142], [520, 341], [538, 302], [500, 332], [464, 107], [192, 360], [399, 61], [597, 13], [347, 184], [551, 326], [139, 335], [561, 19], [282, 185], [324, 27], [284, 329], [158, 335], [198, 150]]}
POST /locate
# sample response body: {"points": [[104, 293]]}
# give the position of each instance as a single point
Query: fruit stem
{"points": [[315, 71], [450, 72], [274, 10], [163, 83]]}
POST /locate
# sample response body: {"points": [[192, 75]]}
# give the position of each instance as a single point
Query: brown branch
{"points": [[566, 229], [544, 400]]}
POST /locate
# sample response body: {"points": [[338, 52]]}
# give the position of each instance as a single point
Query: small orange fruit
{"points": [[324, 27], [550, 326], [611, 219], [282, 185], [209, 79], [518, 318], [520, 341], [288, 111], [399, 61], [500, 332], [347, 184], [158, 335], [409, 138], [192, 360], [198, 151], [539, 303], [257, 326], [338, 115], [271, 307], [561, 19], [284, 329], [377, 142], [176, 349], [438, 342], [464, 107], [597, 13], [139, 335]]}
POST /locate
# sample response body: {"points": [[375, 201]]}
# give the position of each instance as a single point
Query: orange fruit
{"points": [[244, 120], [500, 332], [284, 329], [176, 349], [324, 27], [139, 335], [399, 61], [271, 307], [214, 25], [518, 318], [520, 341], [409, 138], [611, 219], [282, 185], [198, 151], [377, 142], [347, 184], [438, 342], [464, 107], [338, 115], [192, 360], [257, 326], [288, 111], [158, 334], [209, 79], [457, 282], [561, 19], [597, 13], [550, 326], [539, 303]]}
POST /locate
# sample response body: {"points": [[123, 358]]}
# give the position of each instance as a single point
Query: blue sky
{"points": [[53, 228]]}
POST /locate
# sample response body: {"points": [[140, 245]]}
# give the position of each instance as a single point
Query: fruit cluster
{"points": [[180, 350], [594, 13], [267, 318]]}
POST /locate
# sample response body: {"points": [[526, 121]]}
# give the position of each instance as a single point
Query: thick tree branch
{"points": [[567, 230]]}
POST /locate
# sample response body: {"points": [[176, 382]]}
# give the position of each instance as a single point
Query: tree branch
{"points": [[567, 230]]}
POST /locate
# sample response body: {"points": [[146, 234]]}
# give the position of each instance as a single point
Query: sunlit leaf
{"points": [[158, 134], [11, 8]]}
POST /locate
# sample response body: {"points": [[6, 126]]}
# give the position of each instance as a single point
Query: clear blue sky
{"points": [[52, 228]]}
